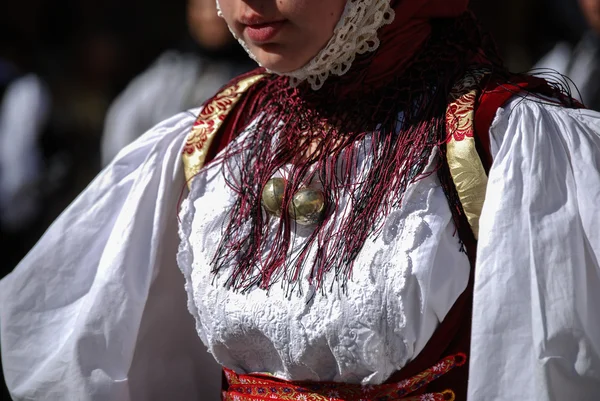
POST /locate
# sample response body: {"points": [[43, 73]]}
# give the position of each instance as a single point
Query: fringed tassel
{"points": [[323, 137]]}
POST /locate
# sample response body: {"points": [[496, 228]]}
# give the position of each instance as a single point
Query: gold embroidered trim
{"points": [[465, 164], [208, 124]]}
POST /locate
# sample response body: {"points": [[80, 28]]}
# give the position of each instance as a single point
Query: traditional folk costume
{"points": [[399, 220]]}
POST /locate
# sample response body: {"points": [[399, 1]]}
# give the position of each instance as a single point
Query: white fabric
{"points": [[536, 324], [96, 311], [404, 282], [23, 115], [174, 83], [354, 34]]}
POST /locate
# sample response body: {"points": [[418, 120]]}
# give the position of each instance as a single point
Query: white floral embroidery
{"points": [[404, 280], [439, 367], [366, 389], [402, 384]]}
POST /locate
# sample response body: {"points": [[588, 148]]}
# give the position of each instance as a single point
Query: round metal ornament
{"points": [[272, 196], [307, 206]]}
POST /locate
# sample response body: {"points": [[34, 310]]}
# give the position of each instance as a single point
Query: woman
{"points": [[328, 236]]}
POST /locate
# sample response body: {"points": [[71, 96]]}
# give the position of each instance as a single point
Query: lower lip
{"points": [[264, 32]]}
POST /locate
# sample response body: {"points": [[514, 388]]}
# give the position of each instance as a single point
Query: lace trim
{"points": [[185, 258], [355, 33]]}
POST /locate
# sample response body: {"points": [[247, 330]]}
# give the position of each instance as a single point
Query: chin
{"points": [[277, 61]]}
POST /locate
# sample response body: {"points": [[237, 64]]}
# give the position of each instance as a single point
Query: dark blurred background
{"points": [[86, 52]]}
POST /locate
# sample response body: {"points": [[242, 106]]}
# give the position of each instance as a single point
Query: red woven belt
{"points": [[258, 387]]}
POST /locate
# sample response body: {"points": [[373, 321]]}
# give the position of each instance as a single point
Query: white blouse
{"points": [[96, 311], [404, 282]]}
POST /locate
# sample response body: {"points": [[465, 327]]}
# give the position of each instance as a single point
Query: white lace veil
{"points": [[355, 33]]}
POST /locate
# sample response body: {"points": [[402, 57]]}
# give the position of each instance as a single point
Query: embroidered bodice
{"points": [[404, 282]]}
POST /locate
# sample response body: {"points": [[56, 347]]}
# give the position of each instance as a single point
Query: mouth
{"points": [[261, 30]]}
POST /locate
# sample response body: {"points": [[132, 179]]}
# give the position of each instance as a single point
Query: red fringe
{"points": [[321, 135]]}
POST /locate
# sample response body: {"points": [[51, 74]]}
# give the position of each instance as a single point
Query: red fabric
{"points": [[406, 34], [232, 125], [497, 93], [259, 387]]}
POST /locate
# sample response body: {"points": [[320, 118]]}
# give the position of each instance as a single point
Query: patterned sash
{"points": [[260, 387]]}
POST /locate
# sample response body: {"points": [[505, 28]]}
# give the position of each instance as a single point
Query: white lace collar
{"points": [[355, 33]]}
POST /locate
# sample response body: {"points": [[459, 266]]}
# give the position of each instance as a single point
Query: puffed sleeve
{"points": [[536, 319], [97, 310]]}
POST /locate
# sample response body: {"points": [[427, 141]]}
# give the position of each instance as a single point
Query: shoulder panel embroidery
{"points": [[463, 159], [208, 124]]}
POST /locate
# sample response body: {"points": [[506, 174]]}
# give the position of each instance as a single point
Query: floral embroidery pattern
{"points": [[260, 387], [208, 123], [461, 111], [463, 159]]}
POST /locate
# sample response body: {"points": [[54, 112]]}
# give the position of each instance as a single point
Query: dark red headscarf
{"points": [[406, 34]]}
